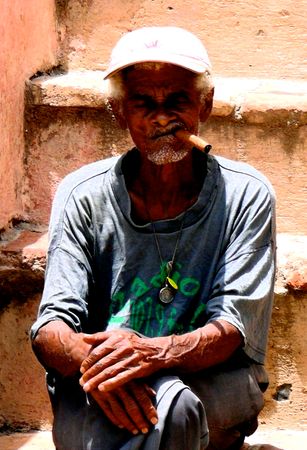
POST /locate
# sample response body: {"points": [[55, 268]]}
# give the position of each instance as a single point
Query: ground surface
{"points": [[264, 439]]}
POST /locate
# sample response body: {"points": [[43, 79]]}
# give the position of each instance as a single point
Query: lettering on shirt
{"points": [[137, 305]]}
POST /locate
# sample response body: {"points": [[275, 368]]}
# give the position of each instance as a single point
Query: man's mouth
{"points": [[164, 133]]}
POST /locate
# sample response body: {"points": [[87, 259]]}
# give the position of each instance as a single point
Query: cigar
{"points": [[194, 140]]}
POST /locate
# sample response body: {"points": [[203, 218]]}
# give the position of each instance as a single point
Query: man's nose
{"points": [[163, 118]]}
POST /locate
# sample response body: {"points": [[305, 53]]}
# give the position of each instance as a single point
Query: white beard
{"points": [[165, 152]]}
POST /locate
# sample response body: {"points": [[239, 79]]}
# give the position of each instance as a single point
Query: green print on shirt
{"points": [[144, 313]]}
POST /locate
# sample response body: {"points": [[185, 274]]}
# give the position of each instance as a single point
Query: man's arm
{"points": [[59, 348], [121, 356]]}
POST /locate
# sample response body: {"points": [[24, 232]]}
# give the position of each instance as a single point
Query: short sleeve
{"points": [[68, 273], [242, 291]]}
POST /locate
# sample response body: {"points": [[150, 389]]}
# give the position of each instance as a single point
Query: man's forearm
{"points": [[58, 347], [122, 356], [204, 347]]}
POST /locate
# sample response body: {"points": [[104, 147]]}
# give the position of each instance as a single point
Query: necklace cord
{"points": [[176, 245], [168, 291]]}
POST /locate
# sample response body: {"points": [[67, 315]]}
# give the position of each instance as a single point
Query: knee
{"points": [[187, 420], [188, 407]]}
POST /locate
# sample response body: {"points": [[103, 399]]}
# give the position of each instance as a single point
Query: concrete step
{"points": [[68, 123], [23, 253], [252, 100], [263, 439]]}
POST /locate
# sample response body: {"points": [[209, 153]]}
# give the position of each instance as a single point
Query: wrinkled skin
{"points": [[119, 357], [130, 406]]}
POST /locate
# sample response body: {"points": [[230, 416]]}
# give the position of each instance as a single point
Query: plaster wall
{"points": [[265, 39], [287, 365], [279, 153], [23, 400], [28, 44], [60, 140]]}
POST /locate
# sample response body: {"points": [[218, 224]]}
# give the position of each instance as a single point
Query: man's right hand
{"points": [[130, 406]]}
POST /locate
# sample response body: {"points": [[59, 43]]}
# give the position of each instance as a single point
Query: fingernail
{"points": [[144, 430], [135, 431], [154, 420], [85, 387]]}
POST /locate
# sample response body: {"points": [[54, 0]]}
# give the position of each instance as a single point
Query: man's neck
{"points": [[163, 191]]}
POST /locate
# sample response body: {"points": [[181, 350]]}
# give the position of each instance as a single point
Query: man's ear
{"points": [[207, 106], [117, 109]]}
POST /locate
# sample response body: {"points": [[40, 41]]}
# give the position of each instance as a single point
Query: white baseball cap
{"points": [[171, 45]]}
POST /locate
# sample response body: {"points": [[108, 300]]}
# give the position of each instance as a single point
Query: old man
{"points": [[154, 318]]}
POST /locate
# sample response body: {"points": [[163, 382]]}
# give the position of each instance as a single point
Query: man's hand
{"points": [[130, 406], [120, 356]]}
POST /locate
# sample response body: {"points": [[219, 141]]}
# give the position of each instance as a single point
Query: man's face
{"points": [[158, 102]]}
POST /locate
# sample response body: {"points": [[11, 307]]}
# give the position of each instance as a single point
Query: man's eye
{"points": [[141, 104], [181, 102], [178, 102]]}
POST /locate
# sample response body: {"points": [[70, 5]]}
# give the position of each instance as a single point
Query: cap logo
{"points": [[152, 44]]}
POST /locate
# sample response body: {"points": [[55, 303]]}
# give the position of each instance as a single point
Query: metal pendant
{"points": [[167, 294]]}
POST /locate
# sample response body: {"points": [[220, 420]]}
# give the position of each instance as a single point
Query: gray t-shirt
{"points": [[104, 270]]}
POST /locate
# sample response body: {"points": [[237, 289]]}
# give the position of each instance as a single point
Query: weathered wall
{"points": [[270, 34], [23, 395], [59, 141], [286, 398], [28, 44], [279, 153]]}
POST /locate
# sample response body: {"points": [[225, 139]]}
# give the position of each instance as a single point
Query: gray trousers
{"points": [[212, 409]]}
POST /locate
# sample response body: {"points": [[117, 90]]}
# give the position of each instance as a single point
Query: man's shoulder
{"points": [[87, 175], [240, 173], [83, 182], [90, 171]]}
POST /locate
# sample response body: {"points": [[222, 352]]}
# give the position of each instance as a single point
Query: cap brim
{"points": [[189, 63]]}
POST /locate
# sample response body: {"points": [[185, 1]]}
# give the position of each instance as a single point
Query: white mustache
{"points": [[166, 131]]}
